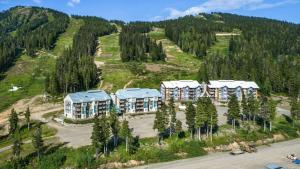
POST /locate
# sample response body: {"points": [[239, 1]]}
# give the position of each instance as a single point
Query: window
{"points": [[145, 105], [154, 104]]}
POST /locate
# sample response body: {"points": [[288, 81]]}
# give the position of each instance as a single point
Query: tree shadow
{"points": [[287, 118]]}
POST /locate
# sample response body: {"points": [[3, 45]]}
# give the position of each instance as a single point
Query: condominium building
{"points": [[182, 90], [221, 90], [137, 100], [82, 105]]}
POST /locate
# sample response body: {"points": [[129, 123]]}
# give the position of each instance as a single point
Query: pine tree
{"points": [[27, 117], [295, 110], [126, 133], [178, 127], [264, 113], [17, 143], [190, 117], [212, 116], [37, 140], [96, 136], [160, 123], [172, 114], [233, 110], [201, 116], [115, 125], [104, 132], [272, 111], [13, 121], [253, 106], [245, 108]]}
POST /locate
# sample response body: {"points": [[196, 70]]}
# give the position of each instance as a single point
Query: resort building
{"points": [[221, 90], [82, 105], [137, 100], [182, 90]]}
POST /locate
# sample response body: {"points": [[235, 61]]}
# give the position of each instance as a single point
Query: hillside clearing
{"points": [[66, 39]]}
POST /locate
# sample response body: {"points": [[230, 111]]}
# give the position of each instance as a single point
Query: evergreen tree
{"points": [[201, 116], [245, 107], [295, 110], [13, 121], [272, 112], [264, 112], [27, 117], [253, 106], [233, 110], [160, 123], [37, 140], [17, 143], [115, 125], [126, 133], [172, 114], [104, 132], [96, 137], [212, 116], [190, 117], [178, 127]]}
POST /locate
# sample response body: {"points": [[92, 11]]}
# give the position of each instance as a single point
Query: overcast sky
{"points": [[152, 10]]}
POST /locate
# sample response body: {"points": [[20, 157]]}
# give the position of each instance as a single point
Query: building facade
{"points": [[137, 100], [221, 90], [182, 90], [82, 105]]}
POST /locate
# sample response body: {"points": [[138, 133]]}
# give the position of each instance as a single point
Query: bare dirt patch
{"points": [[153, 67], [99, 64]]}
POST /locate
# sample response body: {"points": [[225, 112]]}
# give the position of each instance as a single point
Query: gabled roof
{"points": [[181, 84], [88, 96], [232, 84], [137, 93]]}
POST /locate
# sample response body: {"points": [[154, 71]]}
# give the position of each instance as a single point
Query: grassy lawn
{"points": [[66, 39], [27, 73]]}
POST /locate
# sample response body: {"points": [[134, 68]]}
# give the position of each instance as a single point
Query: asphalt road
{"points": [[275, 153]]}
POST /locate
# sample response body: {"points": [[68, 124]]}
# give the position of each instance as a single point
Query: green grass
{"points": [[26, 134], [109, 45], [221, 46], [27, 73], [66, 39], [51, 114]]}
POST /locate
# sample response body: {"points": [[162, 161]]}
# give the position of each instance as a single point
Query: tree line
{"points": [[267, 51], [75, 69], [193, 35], [135, 45]]}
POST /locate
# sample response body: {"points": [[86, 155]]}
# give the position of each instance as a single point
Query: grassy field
{"points": [[115, 73], [28, 73], [66, 39], [221, 46]]}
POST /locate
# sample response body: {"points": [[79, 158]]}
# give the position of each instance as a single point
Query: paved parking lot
{"points": [[79, 135]]}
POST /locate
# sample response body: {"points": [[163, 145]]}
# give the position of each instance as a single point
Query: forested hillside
{"points": [[28, 29], [266, 51], [75, 69], [135, 45]]}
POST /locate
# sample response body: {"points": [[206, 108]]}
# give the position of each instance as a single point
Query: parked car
{"points": [[237, 152], [273, 166]]}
